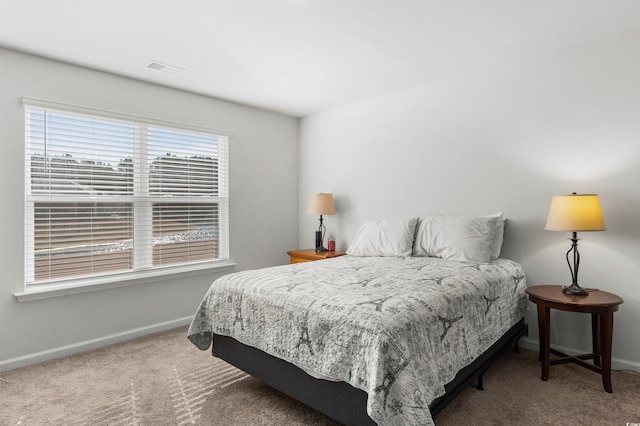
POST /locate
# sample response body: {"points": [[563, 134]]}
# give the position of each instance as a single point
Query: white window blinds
{"points": [[108, 194]]}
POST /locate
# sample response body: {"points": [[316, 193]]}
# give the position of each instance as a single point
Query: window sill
{"points": [[57, 289]]}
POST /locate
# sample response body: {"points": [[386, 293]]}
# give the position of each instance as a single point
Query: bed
{"points": [[385, 340]]}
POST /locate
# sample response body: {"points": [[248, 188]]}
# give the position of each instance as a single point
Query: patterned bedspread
{"points": [[397, 328]]}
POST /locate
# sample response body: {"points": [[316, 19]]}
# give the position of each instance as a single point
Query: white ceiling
{"points": [[303, 56]]}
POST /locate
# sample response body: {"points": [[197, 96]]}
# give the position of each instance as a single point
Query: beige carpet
{"points": [[164, 380]]}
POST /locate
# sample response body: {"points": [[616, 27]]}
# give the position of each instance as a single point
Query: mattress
{"points": [[397, 328]]}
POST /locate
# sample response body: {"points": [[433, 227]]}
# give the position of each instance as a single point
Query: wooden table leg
{"points": [[540, 329], [544, 331], [596, 339], [606, 328]]}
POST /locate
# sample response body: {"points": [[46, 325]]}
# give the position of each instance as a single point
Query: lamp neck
{"points": [[576, 258], [320, 237]]}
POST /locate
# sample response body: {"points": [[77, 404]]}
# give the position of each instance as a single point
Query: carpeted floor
{"points": [[163, 379]]}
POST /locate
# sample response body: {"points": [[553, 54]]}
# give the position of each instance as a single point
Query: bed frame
{"points": [[339, 400]]}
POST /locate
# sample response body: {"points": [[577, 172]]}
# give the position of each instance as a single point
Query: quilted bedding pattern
{"points": [[397, 328]]}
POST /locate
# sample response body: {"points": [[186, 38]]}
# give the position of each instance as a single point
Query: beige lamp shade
{"points": [[575, 213], [321, 204]]}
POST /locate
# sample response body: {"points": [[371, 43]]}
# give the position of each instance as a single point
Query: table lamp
{"points": [[321, 204], [575, 213]]}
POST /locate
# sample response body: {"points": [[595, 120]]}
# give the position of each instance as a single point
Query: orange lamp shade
{"points": [[575, 213]]}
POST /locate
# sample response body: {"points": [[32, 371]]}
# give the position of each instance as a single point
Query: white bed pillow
{"points": [[496, 244], [381, 238], [465, 239]]}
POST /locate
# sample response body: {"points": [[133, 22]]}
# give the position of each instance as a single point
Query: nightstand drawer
{"points": [[310, 255]]}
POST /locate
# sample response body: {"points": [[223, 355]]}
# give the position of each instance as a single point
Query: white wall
{"points": [[505, 139], [263, 207]]}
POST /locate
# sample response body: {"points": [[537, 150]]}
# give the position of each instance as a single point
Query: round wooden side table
{"points": [[600, 304]]}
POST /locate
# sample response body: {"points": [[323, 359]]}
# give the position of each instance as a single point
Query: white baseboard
{"points": [[88, 345], [10, 364], [616, 363]]}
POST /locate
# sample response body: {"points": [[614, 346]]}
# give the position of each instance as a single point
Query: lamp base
{"points": [[575, 290], [319, 242]]}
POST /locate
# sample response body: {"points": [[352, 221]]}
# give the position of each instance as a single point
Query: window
{"points": [[112, 194]]}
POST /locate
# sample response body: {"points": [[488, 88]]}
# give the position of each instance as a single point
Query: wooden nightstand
{"points": [[600, 304], [309, 255]]}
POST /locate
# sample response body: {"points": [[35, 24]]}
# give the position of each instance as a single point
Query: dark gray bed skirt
{"points": [[340, 400]]}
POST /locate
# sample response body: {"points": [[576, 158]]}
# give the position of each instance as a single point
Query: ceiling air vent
{"points": [[165, 68]]}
